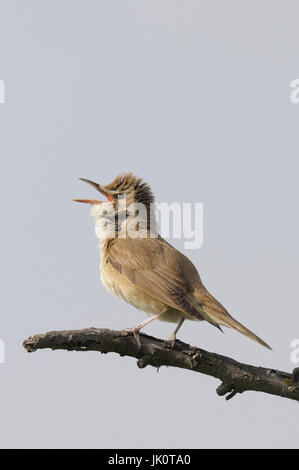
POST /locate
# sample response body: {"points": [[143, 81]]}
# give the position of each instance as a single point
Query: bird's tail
{"points": [[214, 312]]}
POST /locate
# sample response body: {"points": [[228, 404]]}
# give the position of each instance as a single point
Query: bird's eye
{"points": [[120, 196]]}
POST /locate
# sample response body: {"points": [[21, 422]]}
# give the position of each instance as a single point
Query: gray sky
{"points": [[194, 96]]}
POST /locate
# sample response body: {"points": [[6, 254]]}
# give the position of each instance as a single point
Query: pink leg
{"points": [[137, 328], [171, 339]]}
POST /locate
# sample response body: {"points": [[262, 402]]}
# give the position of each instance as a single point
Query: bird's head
{"points": [[123, 194]]}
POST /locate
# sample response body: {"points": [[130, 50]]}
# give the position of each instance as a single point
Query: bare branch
{"points": [[235, 376]]}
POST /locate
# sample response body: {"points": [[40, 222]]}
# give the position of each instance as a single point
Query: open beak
{"points": [[98, 188]]}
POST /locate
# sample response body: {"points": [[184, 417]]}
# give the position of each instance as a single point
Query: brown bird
{"points": [[145, 270]]}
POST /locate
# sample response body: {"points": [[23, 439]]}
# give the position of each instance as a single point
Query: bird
{"points": [[145, 270]]}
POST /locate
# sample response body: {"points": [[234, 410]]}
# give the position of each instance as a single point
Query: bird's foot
{"points": [[171, 340], [135, 332]]}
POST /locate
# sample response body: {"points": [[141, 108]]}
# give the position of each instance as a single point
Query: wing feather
{"points": [[158, 269]]}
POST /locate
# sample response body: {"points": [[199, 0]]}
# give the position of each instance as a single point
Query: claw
{"points": [[137, 328], [135, 332], [171, 340]]}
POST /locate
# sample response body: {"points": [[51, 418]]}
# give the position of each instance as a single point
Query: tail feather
{"points": [[214, 312], [217, 326], [232, 323]]}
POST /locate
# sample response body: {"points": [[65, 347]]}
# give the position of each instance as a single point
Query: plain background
{"points": [[194, 96]]}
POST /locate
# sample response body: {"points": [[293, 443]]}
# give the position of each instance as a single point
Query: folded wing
{"points": [[158, 269]]}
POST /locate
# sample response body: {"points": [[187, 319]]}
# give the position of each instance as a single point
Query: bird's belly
{"points": [[122, 287]]}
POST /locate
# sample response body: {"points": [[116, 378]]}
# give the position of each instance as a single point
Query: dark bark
{"points": [[235, 376]]}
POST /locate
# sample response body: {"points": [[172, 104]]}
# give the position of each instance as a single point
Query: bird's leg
{"points": [[171, 339], [137, 328]]}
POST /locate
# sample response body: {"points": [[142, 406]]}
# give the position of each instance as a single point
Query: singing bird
{"points": [[145, 270]]}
